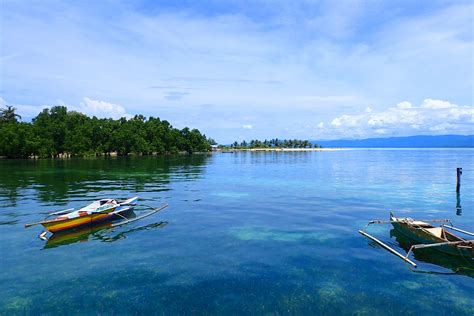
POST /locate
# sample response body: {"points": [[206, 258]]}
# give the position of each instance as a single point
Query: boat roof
{"points": [[410, 221], [94, 205]]}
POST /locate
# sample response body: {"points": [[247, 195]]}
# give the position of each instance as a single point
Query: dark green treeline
{"points": [[58, 132]]}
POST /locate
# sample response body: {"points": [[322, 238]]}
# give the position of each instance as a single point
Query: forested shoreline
{"points": [[272, 143], [57, 132]]}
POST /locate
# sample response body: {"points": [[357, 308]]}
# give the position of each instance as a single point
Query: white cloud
{"points": [[437, 104], [247, 126], [101, 109], [404, 105], [347, 120], [443, 127], [431, 117], [286, 63]]}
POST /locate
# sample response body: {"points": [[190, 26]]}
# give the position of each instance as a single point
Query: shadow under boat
{"points": [[457, 264], [102, 231]]}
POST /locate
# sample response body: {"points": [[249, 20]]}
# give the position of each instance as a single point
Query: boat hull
{"points": [[79, 234], [421, 237], [428, 255]]}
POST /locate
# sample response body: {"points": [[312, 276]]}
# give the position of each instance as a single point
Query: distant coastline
{"points": [[418, 141], [278, 149]]}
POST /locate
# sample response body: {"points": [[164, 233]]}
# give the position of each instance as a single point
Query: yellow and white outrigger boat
{"points": [[96, 212]]}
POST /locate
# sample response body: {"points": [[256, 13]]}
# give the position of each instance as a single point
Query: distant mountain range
{"points": [[441, 141]]}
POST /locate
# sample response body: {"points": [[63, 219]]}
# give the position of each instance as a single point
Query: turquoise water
{"points": [[245, 233]]}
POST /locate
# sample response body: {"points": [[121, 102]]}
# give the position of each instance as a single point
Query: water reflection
{"points": [[457, 264], [267, 234], [59, 181], [103, 232], [458, 204]]}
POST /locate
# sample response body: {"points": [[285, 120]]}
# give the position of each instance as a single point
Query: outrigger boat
{"points": [[453, 264], [96, 212], [424, 235]]}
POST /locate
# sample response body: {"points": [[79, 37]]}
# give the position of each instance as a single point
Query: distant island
{"points": [[269, 144], [423, 141], [57, 132]]}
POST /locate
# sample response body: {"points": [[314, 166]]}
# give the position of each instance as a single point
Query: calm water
{"points": [[245, 233]]}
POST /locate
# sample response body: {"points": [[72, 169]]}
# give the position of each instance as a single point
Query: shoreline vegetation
{"points": [[275, 144], [59, 133], [276, 149]]}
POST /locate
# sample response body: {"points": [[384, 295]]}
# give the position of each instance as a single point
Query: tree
{"points": [[275, 143], [7, 114], [57, 131], [211, 141], [18, 140]]}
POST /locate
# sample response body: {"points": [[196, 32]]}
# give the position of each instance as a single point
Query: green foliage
{"points": [[17, 140], [273, 143], [57, 132], [7, 114]]}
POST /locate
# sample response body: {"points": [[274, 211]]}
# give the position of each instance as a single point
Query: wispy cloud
{"points": [[288, 64], [175, 95], [163, 87], [325, 98], [227, 80]]}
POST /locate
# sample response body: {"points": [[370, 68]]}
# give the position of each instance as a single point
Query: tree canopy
{"points": [[56, 132], [7, 114], [273, 143]]}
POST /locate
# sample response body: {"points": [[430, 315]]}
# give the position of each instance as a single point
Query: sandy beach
{"points": [[284, 149]]}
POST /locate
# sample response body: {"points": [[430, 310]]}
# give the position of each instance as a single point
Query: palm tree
{"points": [[8, 114]]}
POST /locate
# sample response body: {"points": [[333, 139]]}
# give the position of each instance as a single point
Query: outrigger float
{"points": [[96, 212], [424, 235]]}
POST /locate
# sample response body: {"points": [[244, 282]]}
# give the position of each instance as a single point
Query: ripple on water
{"points": [[258, 234], [232, 194]]}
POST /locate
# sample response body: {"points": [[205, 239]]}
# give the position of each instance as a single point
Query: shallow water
{"points": [[245, 233]]}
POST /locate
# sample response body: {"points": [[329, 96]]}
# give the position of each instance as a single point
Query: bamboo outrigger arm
{"points": [[387, 247], [127, 221], [61, 212], [33, 224], [49, 214], [435, 220], [458, 230], [448, 243], [378, 221]]}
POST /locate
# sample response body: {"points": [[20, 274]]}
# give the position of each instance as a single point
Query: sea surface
{"points": [[245, 233]]}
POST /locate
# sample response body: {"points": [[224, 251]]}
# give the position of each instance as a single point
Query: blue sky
{"points": [[247, 69]]}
